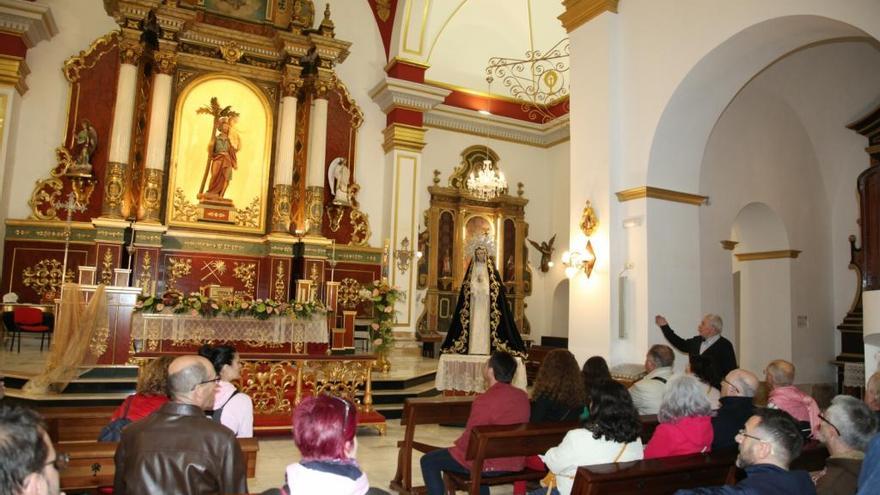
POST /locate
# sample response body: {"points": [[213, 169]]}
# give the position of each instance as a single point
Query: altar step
{"points": [[389, 395]]}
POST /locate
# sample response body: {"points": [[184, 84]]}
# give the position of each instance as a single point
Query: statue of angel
{"points": [[87, 140], [339, 177], [546, 249]]}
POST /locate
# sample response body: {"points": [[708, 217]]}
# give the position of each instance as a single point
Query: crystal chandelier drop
{"points": [[488, 182]]}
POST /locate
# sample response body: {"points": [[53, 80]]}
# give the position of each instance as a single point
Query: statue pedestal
{"points": [[464, 373]]}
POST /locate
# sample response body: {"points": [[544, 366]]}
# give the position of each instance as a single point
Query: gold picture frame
{"points": [[220, 156]]}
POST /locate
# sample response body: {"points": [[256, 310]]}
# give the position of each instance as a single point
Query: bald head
{"points": [[872, 392], [780, 373], [739, 383], [185, 375]]}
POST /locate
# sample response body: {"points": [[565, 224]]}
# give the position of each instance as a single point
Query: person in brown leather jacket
{"points": [[178, 449]]}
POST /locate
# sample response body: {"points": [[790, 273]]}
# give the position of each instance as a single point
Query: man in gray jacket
{"points": [[177, 449]]}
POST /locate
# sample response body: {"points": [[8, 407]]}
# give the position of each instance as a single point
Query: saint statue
{"points": [[223, 147], [87, 140], [482, 322], [339, 177]]}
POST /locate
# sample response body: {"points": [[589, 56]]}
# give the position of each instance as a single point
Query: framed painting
{"points": [[220, 156], [247, 10]]}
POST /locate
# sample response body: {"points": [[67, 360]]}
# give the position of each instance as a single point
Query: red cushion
{"points": [[28, 316], [33, 328]]}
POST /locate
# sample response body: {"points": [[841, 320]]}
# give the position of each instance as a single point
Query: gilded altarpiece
{"points": [[454, 217]]}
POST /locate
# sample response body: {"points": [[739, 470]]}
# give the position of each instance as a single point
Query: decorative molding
{"points": [[729, 245], [397, 93], [404, 137], [768, 255], [282, 196], [165, 62], [32, 21], [658, 193], [152, 194], [114, 189], [579, 12], [498, 127], [14, 71], [405, 61]]}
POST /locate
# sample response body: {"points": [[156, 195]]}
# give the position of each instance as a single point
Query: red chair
{"points": [[30, 320]]}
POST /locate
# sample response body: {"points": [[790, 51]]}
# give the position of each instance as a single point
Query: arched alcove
{"points": [[559, 314]]}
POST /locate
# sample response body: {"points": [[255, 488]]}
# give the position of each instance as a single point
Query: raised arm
{"points": [[676, 341]]}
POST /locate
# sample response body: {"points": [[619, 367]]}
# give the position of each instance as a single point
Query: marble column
{"points": [[120, 141], [282, 192], [157, 134], [317, 158]]}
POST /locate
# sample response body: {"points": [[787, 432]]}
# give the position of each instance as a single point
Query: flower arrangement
{"points": [[383, 296], [197, 304]]}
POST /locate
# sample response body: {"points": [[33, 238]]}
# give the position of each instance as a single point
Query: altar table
{"points": [[464, 373], [187, 329]]}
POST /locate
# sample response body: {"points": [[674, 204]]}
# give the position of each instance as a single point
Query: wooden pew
{"points": [[76, 424], [489, 442], [656, 476], [91, 464], [424, 411]]}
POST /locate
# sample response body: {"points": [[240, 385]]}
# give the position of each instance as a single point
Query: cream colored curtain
{"points": [[76, 325]]}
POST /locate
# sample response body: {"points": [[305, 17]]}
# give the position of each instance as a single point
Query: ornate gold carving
{"points": [[232, 52], [360, 223], [130, 51], [327, 27], [114, 189], [99, 342], [578, 12], [184, 210], [404, 137], [107, 267], [165, 62], [334, 214], [74, 65], [179, 267], [589, 222], [383, 9], [348, 102], [290, 85], [471, 161], [339, 378], [268, 384], [280, 282], [658, 193], [313, 275], [145, 279], [281, 205], [349, 293], [152, 194], [249, 216], [246, 273], [47, 191], [44, 276], [314, 209]]}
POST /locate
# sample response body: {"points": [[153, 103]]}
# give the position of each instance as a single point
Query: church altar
{"points": [[149, 331], [464, 373]]}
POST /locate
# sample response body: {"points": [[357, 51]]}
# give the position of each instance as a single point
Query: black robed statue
{"points": [[482, 322]]}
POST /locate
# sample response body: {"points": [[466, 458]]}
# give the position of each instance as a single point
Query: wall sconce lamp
{"points": [[575, 261], [405, 255]]}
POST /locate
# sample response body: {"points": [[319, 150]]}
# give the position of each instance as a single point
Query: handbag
{"points": [[113, 431], [550, 480]]}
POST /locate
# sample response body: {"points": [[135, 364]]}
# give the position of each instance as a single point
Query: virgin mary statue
{"points": [[482, 322]]}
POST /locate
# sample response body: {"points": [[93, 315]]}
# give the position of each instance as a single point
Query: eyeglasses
{"points": [[347, 406], [61, 461], [743, 433], [216, 379], [735, 389], [823, 418]]}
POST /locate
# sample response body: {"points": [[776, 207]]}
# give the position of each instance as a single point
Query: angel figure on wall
{"points": [[339, 177], [87, 140], [223, 147], [482, 322], [546, 249]]}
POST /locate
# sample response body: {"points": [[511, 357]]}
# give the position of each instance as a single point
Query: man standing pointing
{"points": [[709, 345]]}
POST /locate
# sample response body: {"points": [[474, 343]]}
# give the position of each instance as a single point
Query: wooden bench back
{"points": [[91, 463], [76, 424], [489, 442], [655, 476]]}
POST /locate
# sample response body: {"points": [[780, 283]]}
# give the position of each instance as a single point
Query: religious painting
{"points": [[220, 156], [246, 10]]}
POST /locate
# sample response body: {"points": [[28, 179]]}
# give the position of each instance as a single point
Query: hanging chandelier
{"points": [[488, 182]]}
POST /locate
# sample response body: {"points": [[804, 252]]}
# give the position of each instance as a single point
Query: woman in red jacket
{"points": [[151, 391], [685, 420]]}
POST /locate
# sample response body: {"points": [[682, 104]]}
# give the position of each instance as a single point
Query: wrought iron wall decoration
{"points": [[539, 81]]}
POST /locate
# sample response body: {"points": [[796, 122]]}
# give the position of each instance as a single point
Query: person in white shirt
{"points": [[611, 434], [232, 408], [647, 393]]}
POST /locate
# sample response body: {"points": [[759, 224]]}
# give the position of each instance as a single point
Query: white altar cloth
{"points": [[464, 372], [185, 328]]}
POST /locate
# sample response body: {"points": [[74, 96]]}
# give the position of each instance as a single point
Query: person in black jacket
{"points": [[737, 393], [709, 344]]}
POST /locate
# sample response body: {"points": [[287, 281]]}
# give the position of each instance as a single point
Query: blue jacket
{"points": [[869, 479], [762, 479]]}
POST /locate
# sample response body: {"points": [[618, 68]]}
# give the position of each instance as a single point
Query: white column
{"points": [[157, 134], [282, 192], [317, 158], [120, 137]]}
